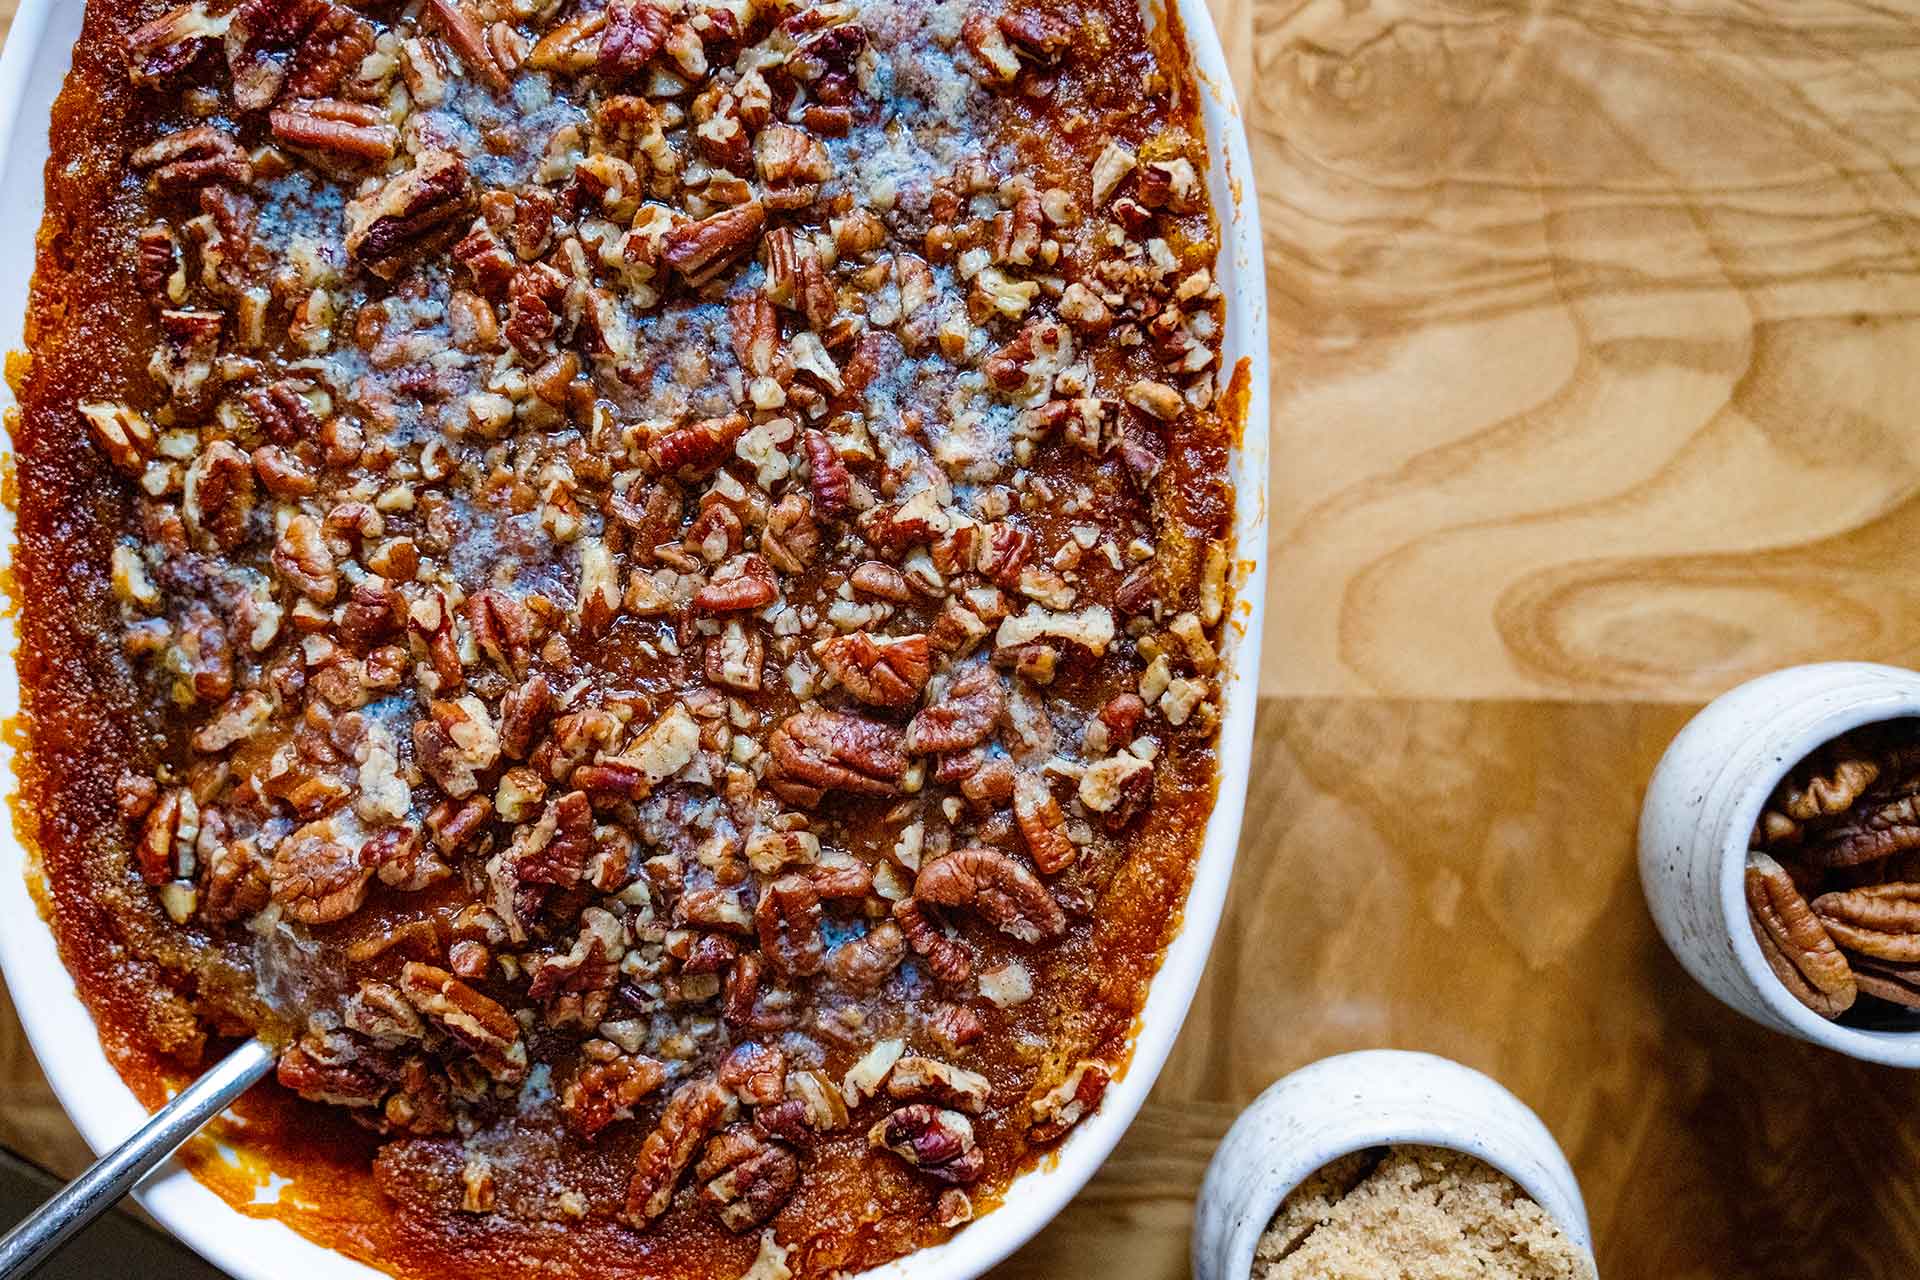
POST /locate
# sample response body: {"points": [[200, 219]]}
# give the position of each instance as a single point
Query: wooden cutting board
{"points": [[1596, 345]]}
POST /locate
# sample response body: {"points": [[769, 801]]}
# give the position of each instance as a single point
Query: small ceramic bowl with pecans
{"points": [[1390, 1163], [1780, 854]]}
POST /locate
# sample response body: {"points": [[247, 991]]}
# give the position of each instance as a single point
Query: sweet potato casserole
{"points": [[638, 586]]}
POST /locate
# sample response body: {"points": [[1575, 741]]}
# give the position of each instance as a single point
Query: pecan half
{"points": [[1884, 980], [317, 879], [815, 752], [885, 671], [352, 130], [385, 228], [698, 447], [468, 40], [700, 251], [1000, 889], [192, 158], [1042, 824], [695, 1111], [476, 1021], [947, 959], [938, 1142], [1882, 920], [964, 717], [1879, 832], [747, 1178], [1798, 946]]}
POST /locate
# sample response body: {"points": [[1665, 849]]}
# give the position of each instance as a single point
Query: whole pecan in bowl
{"points": [[1780, 854]]}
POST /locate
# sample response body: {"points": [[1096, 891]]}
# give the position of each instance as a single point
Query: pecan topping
{"points": [[698, 447], [936, 1141], [815, 752], [1042, 824], [947, 959], [701, 250], [351, 130], [964, 717], [1000, 889], [607, 1087], [1069, 1102], [695, 1111], [881, 670], [318, 879], [386, 228], [486, 1030], [193, 158], [468, 41], [747, 1179]]}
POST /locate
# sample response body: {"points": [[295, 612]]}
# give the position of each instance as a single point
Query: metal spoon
{"points": [[114, 1174]]}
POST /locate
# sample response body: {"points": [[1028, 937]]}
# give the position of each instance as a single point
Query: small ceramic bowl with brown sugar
{"points": [[1777, 851], [1410, 1147]]}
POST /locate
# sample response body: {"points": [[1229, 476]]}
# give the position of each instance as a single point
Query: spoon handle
{"points": [[115, 1173]]}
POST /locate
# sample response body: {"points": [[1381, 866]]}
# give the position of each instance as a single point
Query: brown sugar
{"points": [[1414, 1213]]}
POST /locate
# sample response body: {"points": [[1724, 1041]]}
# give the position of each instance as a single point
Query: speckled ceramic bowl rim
{"points": [[1893, 1048], [37, 54]]}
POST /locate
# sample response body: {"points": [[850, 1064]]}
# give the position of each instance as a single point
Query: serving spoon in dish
{"points": [[114, 1174]]}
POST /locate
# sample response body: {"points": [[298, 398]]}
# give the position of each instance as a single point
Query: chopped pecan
{"points": [[523, 713], [1043, 34], [455, 743], [316, 878], [698, 447], [832, 487], [533, 317], [791, 165], [385, 228], [172, 42], [468, 40], [352, 130], [635, 31], [743, 585], [1069, 1102], [885, 671], [283, 412], [701, 250], [929, 1080], [1042, 824], [555, 849], [302, 557], [333, 1069], [167, 837], [124, 434], [938, 1142], [696, 1110], [502, 629], [815, 752], [755, 1073], [1000, 889], [476, 1021], [791, 539], [964, 716]]}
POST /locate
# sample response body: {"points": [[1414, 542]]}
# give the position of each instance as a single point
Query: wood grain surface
{"points": [[1596, 349]]}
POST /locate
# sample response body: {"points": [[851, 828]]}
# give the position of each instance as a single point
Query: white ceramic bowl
{"points": [[1699, 813], [1381, 1097], [37, 55]]}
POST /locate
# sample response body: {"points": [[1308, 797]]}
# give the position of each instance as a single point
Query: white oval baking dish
{"points": [[35, 61], [1704, 798], [1375, 1098]]}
